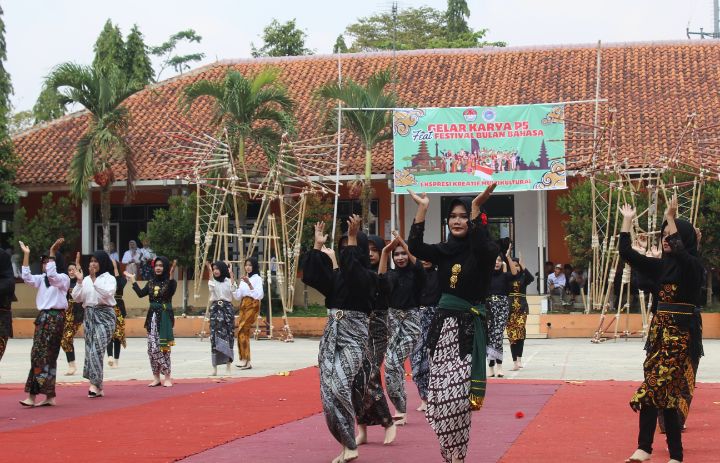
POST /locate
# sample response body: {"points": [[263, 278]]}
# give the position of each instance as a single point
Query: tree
{"points": [[709, 224], [282, 40], [166, 52], [172, 234], [411, 29], [109, 48], [48, 106], [103, 146], [456, 15], [55, 218], [340, 46], [137, 62], [8, 159], [254, 110], [371, 127], [20, 121]]}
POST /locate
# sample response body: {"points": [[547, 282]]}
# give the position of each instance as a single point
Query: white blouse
{"points": [[54, 296], [245, 291], [221, 290], [100, 292]]}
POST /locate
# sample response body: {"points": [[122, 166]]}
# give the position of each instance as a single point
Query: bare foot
{"points": [[167, 382], [361, 438], [228, 371], [400, 419], [422, 407], [638, 456], [110, 361], [390, 433], [214, 372], [71, 369], [47, 403], [29, 402], [457, 460]]}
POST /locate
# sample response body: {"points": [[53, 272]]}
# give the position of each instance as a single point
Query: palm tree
{"points": [[103, 146], [370, 126], [249, 110]]}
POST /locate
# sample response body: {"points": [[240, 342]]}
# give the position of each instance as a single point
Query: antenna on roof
{"points": [[715, 34]]}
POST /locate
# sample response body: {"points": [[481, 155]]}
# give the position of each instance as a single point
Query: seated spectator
{"points": [[557, 281], [578, 280]]}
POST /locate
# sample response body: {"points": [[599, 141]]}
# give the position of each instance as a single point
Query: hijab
{"points": [[379, 245], [104, 262], [687, 235], [453, 245], [255, 266], [224, 271], [166, 268], [363, 246]]}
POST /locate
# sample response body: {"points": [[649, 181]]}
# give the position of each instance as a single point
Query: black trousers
{"points": [[516, 349], [113, 348], [673, 433]]}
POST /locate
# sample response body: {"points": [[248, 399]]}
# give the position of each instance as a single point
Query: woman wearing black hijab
{"points": [[96, 292], [458, 333], [160, 318], [349, 288], [222, 315], [674, 343], [7, 295]]}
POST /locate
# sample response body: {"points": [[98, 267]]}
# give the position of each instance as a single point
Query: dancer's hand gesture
{"points": [[421, 199], [627, 211], [353, 222], [55, 246], [130, 277], [655, 252], [331, 254], [390, 247], [77, 259], [672, 207], [481, 199], [79, 273], [320, 235], [24, 247]]}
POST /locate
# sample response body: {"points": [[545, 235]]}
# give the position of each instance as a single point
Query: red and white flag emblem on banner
{"points": [[484, 173]]}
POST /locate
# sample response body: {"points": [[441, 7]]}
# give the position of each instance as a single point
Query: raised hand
{"points": [[130, 277], [421, 199], [654, 251], [24, 247], [482, 198], [320, 235], [627, 211], [672, 207], [353, 222], [56, 245], [331, 254], [78, 272], [77, 259]]}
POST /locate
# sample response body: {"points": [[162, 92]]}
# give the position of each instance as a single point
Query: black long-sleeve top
{"points": [[352, 286], [500, 283], [521, 281], [159, 292], [380, 302], [403, 286], [121, 282], [464, 265], [678, 273], [430, 294]]}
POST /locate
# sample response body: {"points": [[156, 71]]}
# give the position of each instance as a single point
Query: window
{"points": [[346, 207]]}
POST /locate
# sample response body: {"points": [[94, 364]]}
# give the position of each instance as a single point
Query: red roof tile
{"points": [[653, 86]]}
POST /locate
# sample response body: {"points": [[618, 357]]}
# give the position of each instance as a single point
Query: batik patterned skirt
{"points": [[74, 316], [342, 348], [159, 358], [120, 313], [420, 358], [448, 406], [518, 318], [99, 326], [222, 332], [371, 407], [668, 368], [498, 310], [404, 333], [49, 326]]}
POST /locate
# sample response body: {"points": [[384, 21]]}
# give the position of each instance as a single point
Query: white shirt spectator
{"points": [[557, 281], [49, 297], [245, 291], [100, 292]]}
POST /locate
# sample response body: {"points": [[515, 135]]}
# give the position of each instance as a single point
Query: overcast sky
{"points": [[43, 33]]}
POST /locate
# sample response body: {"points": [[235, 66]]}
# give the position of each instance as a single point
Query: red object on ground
{"points": [[519, 415]]}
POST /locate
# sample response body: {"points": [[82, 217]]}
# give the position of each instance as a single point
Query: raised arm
{"points": [[643, 264], [318, 266], [28, 278], [351, 260]]}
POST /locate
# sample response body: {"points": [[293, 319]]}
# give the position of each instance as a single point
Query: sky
{"points": [[43, 33]]}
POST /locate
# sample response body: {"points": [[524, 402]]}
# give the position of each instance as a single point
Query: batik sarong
{"points": [[498, 310], [159, 358], [119, 333], [371, 407], [420, 358], [49, 326], [404, 332], [249, 310], [99, 325], [222, 327], [342, 348], [448, 408], [73, 320], [518, 318]]}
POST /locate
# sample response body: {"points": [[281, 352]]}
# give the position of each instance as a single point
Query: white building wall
{"points": [[526, 225]]}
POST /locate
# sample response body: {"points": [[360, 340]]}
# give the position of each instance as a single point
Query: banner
{"points": [[463, 150]]}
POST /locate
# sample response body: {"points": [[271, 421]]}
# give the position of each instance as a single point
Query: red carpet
{"points": [[166, 429], [592, 422]]}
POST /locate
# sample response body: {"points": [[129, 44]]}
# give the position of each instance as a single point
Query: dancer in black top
{"points": [[403, 285], [674, 338], [420, 360], [349, 287], [518, 311], [371, 407], [498, 308], [457, 336], [7, 296]]}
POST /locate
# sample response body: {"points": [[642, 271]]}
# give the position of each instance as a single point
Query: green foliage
{"points": [[172, 231], [48, 105], [137, 62], [20, 121], [282, 40], [166, 52], [340, 45], [412, 29], [109, 48], [54, 219], [256, 109], [317, 209], [456, 15], [577, 205], [8, 159], [709, 223]]}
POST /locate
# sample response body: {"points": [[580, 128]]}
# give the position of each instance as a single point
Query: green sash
{"points": [[165, 328], [478, 376]]}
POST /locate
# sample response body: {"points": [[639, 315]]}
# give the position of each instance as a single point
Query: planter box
{"points": [[585, 325]]}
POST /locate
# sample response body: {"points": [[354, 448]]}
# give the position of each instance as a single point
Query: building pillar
{"points": [[86, 225]]}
